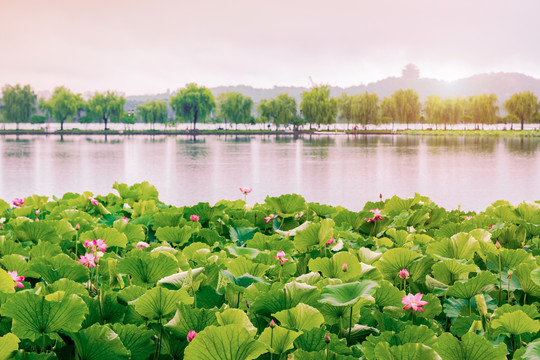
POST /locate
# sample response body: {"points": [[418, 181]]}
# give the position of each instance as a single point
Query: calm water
{"points": [[339, 170]]}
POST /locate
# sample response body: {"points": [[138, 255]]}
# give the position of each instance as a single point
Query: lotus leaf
{"points": [[301, 317], [515, 323], [59, 267], [468, 288], [159, 303], [182, 279], [241, 265], [146, 269], [237, 317], [316, 234], [279, 339], [405, 352], [187, 318], [471, 347], [8, 344], [394, 260], [89, 344], [175, 235], [459, 246], [286, 205], [34, 316], [136, 339]]}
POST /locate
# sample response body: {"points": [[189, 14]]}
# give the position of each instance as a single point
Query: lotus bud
{"points": [[191, 335], [1, 227], [404, 274], [523, 343], [247, 304], [330, 241], [476, 326], [344, 267], [481, 304], [272, 323], [77, 227], [497, 244], [380, 196], [194, 218], [510, 273], [327, 338]]}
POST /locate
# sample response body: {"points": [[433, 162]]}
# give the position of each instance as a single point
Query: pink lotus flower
{"points": [[272, 324], [404, 274], [281, 257], [191, 335], [330, 241], [18, 202], [100, 245], [468, 217], [142, 245], [327, 338], [18, 279], [125, 219], [78, 227], [93, 201], [88, 260], [245, 190], [194, 218], [376, 215], [413, 301], [88, 243], [270, 218], [497, 244], [344, 267]]}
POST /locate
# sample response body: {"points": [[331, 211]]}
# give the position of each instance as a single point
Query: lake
{"points": [[342, 170]]}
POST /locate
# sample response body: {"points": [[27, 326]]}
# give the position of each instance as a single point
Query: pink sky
{"points": [[143, 46]]}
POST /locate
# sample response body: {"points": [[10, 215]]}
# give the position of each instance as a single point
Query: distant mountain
{"points": [[503, 85]]}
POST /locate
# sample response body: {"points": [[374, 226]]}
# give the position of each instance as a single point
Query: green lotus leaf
{"points": [[296, 293], [99, 342], [8, 247], [529, 211], [286, 205], [237, 317], [463, 324], [530, 310], [314, 235], [75, 217], [347, 294], [8, 344], [395, 203], [349, 219], [524, 273], [279, 339], [243, 251], [130, 293], [333, 268], [136, 339], [59, 267], [313, 340], [111, 236], [270, 242], [510, 258], [471, 347], [301, 317], [394, 260], [405, 352], [448, 271], [320, 355], [175, 235], [241, 265], [137, 192], [515, 323], [269, 302], [34, 316], [242, 281], [204, 211], [209, 236], [388, 295], [168, 217], [7, 284], [147, 269], [3, 206], [134, 233], [143, 208], [68, 286], [367, 256], [532, 351], [432, 308], [231, 342], [158, 303], [44, 249], [181, 279], [33, 232], [468, 288], [242, 234], [111, 310], [188, 318], [459, 246]]}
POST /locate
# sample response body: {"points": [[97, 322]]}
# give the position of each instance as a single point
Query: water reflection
{"points": [[336, 170]]}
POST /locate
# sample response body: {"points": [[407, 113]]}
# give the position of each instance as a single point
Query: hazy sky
{"points": [[149, 46]]}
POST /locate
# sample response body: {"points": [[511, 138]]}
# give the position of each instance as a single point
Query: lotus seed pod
{"points": [[481, 304]]}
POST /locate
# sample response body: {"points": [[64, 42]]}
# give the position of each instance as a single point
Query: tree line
{"points": [[193, 104]]}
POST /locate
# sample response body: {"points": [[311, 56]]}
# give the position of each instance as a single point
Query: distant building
{"points": [[410, 72]]}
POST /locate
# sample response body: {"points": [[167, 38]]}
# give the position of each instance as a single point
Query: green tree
{"points": [[107, 107], [483, 108], [281, 110], [369, 109], [407, 106], [234, 107], [19, 103], [523, 105], [193, 102], [388, 111], [152, 112], [63, 105], [433, 109], [317, 107]]}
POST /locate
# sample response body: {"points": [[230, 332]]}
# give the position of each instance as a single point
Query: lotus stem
{"points": [[271, 343], [43, 342], [470, 308], [340, 325], [500, 277], [350, 328]]}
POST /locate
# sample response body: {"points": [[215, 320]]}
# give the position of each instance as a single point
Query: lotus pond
{"points": [[125, 276]]}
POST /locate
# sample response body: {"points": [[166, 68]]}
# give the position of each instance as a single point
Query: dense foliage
{"points": [[124, 276]]}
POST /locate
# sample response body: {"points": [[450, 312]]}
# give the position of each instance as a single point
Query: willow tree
{"points": [[281, 110], [524, 106], [483, 108], [407, 106], [107, 107], [349, 108], [317, 107], [388, 111], [369, 108], [234, 107], [62, 106], [19, 103], [152, 112], [193, 103], [433, 109]]}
